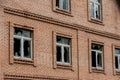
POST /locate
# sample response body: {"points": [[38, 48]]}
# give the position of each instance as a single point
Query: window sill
{"points": [[96, 21], [64, 66], [62, 11], [98, 71], [23, 61], [117, 72]]}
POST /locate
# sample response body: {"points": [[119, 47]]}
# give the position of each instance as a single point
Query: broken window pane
{"points": [[18, 32], [59, 54], [93, 59], [63, 40], [97, 47], [116, 62], [59, 39], [27, 49], [66, 54], [97, 11], [99, 60], [17, 47]]}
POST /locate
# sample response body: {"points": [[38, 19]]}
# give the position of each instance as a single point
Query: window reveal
{"points": [[63, 50], [97, 56], [22, 43]]}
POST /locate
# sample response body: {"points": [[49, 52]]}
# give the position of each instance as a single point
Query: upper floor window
{"points": [[95, 9], [63, 4], [117, 59], [97, 56], [63, 50], [22, 43]]}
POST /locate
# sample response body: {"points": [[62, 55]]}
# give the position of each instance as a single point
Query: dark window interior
{"points": [[27, 49], [17, 46], [99, 57], [57, 3], [59, 54], [97, 47], [93, 59], [116, 62], [66, 54]]}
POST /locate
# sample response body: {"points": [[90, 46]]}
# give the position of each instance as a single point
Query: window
{"points": [[117, 59], [63, 50], [97, 56], [95, 9], [63, 4], [22, 43]]}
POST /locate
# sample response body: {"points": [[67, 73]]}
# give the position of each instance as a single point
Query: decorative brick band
{"points": [[29, 77], [51, 20]]}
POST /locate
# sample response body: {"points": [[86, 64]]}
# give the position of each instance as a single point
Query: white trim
{"points": [[22, 38], [98, 52], [99, 11], [62, 53]]}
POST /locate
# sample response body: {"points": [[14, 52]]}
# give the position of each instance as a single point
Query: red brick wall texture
{"points": [[39, 16]]}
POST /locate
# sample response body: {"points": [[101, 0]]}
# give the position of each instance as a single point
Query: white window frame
{"points": [[98, 52], [61, 5], [62, 53], [96, 4], [22, 38], [117, 55]]}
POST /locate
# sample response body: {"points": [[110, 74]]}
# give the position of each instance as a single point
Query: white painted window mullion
{"points": [[96, 60], [22, 49], [118, 62], [63, 54]]}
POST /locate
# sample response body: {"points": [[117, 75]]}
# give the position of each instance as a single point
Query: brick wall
{"points": [[43, 67]]}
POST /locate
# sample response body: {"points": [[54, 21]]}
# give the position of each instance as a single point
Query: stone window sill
{"points": [[98, 71], [62, 11], [23, 61], [96, 21]]}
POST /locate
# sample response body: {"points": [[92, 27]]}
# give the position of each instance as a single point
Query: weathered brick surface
{"points": [[43, 39]]}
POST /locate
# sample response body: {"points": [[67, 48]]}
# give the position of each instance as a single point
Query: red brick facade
{"points": [[46, 22]]}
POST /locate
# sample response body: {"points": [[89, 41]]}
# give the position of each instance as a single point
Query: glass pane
{"points": [[59, 39], [97, 11], [92, 9], [66, 41], [59, 54], [66, 54], [22, 32], [63, 40], [27, 49], [93, 59], [57, 3], [116, 62], [65, 4], [97, 47], [17, 31], [17, 47], [99, 60], [26, 33], [98, 1], [117, 51]]}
